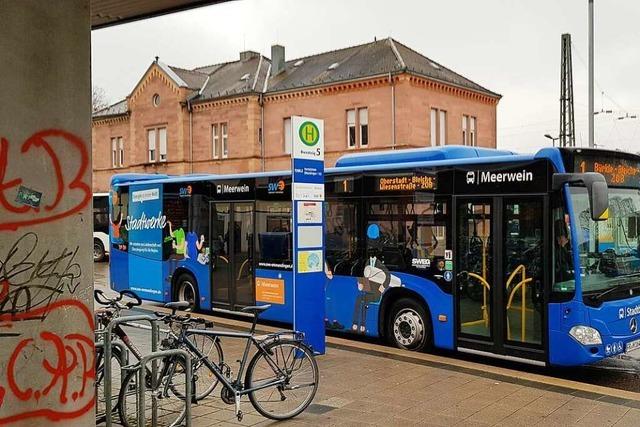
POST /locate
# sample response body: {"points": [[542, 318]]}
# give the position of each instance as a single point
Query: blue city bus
{"points": [[532, 258]]}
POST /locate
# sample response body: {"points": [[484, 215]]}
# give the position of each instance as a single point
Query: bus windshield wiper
{"points": [[626, 287]]}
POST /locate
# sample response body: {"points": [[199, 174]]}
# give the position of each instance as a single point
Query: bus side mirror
{"points": [[599, 201], [596, 188]]}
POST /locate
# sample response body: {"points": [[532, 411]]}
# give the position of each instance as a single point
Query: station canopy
{"points": [[105, 13]]}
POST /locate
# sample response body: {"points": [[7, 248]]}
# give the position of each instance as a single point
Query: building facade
{"points": [[235, 117]]}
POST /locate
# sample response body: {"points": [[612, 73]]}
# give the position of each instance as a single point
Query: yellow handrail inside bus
{"points": [[522, 284], [486, 287]]}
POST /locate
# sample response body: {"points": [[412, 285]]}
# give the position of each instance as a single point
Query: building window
{"points": [[156, 100], [469, 131], [121, 151], [114, 152], [465, 119], [219, 141], [157, 140], [438, 127], [151, 137], [351, 128], [363, 118], [215, 142], [286, 124], [472, 132], [225, 140], [162, 137], [434, 127]]}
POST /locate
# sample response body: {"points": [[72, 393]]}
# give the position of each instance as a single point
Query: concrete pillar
{"points": [[46, 269]]}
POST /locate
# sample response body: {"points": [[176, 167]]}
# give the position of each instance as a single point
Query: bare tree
{"points": [[98, 99]]}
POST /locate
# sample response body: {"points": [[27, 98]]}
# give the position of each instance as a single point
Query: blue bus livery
{"points": [[533, 258]]}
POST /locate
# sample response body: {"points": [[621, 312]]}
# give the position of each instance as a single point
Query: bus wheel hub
{"points": [[408, 329]]}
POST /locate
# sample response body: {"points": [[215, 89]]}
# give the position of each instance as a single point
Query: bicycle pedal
{"points": [[239, 415]]}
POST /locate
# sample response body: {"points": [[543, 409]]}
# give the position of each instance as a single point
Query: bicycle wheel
{"points": [[286, 400], [208, 348], [115, 384], [170, 409]]}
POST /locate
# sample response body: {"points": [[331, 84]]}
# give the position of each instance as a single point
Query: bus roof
{"points": [[450, 155], [412, 155]]}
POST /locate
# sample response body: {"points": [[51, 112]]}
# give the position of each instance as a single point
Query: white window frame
{"points": [[224, 139], [465, 120], [351, 124], [438, 127], [363, 120], [215, 141], [151, 145], [473, 126], [120, 151], [287, 134], [114, 152], [162, 142], [433, 121], [442, 127]]}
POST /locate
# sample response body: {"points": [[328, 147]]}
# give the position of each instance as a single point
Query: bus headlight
{"points": [[586, 335]]}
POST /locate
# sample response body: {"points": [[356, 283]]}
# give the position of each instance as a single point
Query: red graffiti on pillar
{"points": [[52, 141], [59, 358]]}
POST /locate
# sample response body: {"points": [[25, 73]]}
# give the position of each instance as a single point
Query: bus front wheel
{"points": [[409, 325], [187, 290], [98, 251]]}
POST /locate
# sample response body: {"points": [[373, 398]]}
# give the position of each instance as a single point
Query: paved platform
{"points": [[363, 384], [369, 384]]}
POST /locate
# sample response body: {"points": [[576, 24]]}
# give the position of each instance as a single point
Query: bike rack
{"points": [[108, 342], [124, 361], [142, 385]]}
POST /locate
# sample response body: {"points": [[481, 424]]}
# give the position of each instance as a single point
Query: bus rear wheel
{"points": [[187, 290], [409, 325]]}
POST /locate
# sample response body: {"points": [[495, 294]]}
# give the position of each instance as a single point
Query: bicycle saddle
{"points": [[256, 309], [178, 305]]}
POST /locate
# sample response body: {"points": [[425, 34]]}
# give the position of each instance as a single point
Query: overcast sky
{"points": [[509, 46]]}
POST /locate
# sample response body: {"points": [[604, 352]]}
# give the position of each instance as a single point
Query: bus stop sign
{"points": [[307, 169]]}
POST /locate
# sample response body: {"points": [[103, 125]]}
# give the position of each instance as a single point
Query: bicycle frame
{"points": [[250, 339]]}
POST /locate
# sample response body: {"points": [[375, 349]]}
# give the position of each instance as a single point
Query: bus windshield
{"points": [[609, 250]]}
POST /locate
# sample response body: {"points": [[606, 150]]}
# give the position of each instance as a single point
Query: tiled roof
{"points": [[193, 79], [354, 62], [367, 60], [235, 78], [112, 110], [252, 74], [423, 66]]}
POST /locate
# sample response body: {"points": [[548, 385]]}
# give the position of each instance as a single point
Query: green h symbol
{"points": [[309, 133]]}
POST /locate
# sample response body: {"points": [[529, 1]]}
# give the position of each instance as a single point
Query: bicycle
{"points": [[206, 347], [280, 360]]}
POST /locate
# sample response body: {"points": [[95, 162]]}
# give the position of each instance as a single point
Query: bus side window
{"points": [[273, 245], [413, 236], [342, 254], [564, 278]]}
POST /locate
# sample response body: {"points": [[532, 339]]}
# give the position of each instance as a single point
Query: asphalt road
{"points": [[621, 373]]}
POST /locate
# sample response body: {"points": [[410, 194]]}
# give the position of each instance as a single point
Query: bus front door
{"points": [[232, 227], [500, 276]]}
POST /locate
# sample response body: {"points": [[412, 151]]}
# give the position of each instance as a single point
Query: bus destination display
{"points": [[616, 170], [406, 183]]}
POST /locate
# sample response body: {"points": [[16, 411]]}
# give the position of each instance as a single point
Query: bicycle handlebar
{"points": [[100, 298]]}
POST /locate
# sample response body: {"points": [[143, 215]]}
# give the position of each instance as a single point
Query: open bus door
{"points": [[501, 276], [232, 237]]}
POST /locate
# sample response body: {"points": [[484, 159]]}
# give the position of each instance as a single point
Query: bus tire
{"points": [[409, 325], [186, 289], [98, 251]]}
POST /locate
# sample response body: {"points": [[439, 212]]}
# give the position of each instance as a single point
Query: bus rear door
{"points": [[232, 231]]}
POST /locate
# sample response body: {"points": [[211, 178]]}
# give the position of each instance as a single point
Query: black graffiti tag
{"points": [[30, 278]]}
